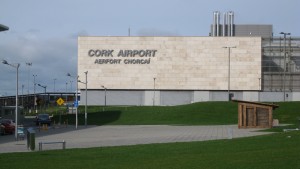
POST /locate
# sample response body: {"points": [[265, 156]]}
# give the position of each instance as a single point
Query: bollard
{"points": [[28, 139], [31, 139], [64, 145], [40, 146]]}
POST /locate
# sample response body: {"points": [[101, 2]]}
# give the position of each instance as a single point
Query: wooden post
{"points": [[245, 116], [254, 116], [270, 117], [240, 117]]}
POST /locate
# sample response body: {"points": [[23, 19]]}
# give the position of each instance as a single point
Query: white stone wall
{"points": [[180, 63], [251, 96], [296, 96]]}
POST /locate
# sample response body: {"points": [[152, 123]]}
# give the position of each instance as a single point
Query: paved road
{"points": [[101, 136]]}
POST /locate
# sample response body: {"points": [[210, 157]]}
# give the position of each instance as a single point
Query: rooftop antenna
{"points": [[129, 31]]}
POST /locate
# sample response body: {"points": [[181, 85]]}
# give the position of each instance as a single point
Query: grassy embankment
{"points": [[205, 113]]}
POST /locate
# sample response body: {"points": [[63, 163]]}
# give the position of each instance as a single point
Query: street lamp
{"points": [[54, 84], [22, 95], [76, 100], [66, 92], [284, 66], [3, 28], [45, 89], [85, 110], [104, 96], [229, 48], [17, 86], [34, 99], [154, 91], [71, 82], [28, 64]]}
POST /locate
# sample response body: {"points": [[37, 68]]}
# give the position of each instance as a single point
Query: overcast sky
{"points": [[45, 33]]}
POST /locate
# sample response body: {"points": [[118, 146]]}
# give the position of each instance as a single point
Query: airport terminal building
{"points": [[243, 62], [182, 70]]}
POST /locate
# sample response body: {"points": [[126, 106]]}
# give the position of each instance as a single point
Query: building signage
{"points": [[122, 56]]}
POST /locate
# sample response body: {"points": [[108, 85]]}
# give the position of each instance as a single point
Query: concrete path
{"points": [[101, 136]]}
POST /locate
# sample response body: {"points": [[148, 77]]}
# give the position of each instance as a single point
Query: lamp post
{"points": [[76, 100], [45, 91], [22, 95], [85, 108], [154, 91], [67, 92], [34, 97], [259, 88], [45, 87], [284, 61], [54, 84], [28, 64], [104, 96], [17, 86], [229, 49], [66, 87], [71, 82]]}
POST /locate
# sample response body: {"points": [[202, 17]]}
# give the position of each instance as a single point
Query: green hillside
{"points": [[202, 113]]}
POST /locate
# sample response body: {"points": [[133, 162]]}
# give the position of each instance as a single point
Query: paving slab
{"points": [[120, 135]]}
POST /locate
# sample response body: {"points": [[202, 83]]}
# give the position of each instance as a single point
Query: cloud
{"points": [[51, 58]]}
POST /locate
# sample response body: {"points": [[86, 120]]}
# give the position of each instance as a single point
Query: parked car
{"points": [[43, 119], [7, 126], [2, 127], [9, 121]]}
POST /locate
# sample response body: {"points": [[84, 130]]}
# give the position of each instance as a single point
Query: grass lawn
{"points": [[207, 113], [203, 113], [279, 150]]}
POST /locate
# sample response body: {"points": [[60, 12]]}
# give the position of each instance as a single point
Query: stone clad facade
{"points": [[176, 63]]}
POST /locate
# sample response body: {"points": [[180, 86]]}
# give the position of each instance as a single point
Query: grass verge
{"points": [[205, 113], [280, 150]]}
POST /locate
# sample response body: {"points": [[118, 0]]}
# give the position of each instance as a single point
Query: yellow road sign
{"points": [[60, 101]]}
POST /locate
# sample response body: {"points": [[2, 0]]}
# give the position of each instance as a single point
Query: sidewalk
{"points": [[102, 136]]}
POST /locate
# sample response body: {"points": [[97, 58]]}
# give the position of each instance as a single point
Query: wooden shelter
{"points": [[255, 114]]}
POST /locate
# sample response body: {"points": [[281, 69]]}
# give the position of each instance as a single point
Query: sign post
{"points": [[60, 102]]}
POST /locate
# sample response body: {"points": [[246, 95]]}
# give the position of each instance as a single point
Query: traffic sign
{"points": [[60, 101], [76, 103]]}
